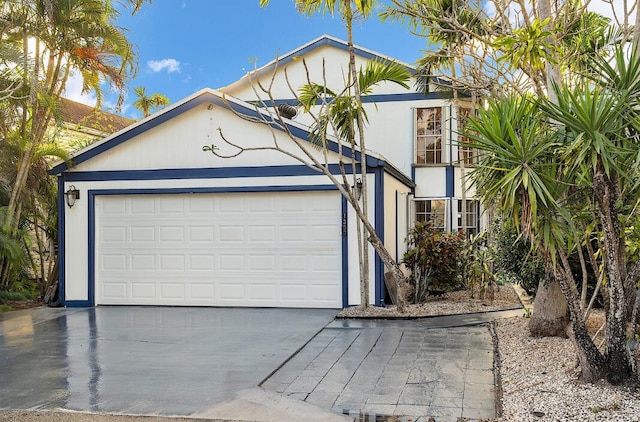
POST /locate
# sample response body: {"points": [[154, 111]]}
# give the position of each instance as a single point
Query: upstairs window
{"points": [[465, 154], [432, 211], [429, 135]]}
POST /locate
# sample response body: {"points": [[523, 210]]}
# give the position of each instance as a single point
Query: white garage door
{"points": [[280, 249]]}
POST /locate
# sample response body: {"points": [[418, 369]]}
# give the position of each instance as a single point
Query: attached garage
{"points": [[227, 249], [158, 221]]}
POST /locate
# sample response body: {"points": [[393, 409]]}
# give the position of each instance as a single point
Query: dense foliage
{"points": [[43, 43], [515, 259], [435, 260]]}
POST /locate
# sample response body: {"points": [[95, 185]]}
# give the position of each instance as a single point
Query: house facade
{"points": [[159, 221]]}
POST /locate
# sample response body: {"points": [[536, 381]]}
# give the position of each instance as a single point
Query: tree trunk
{"points": [[347, 15], [550, 316], [617, 354]]}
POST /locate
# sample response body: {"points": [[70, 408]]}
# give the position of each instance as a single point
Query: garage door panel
{"points": [[114, 234], [171, 205], [142, 234], [171, 234], [141, 262], [145, 205], [259, 249], [202, 291], [201, 262], [201, 233]]}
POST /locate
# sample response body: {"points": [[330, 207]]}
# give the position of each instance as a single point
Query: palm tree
{"points": [[542, 159], [340, 114], [58, 38], [148, 104], [350, 10]]}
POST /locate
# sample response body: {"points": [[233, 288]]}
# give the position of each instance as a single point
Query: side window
{"points": [[470, 222], [432, 211], [429, 136], [465, 154]]}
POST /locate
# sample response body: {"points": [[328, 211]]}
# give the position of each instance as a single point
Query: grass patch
{"points": [[6, 296], [5, 308]]}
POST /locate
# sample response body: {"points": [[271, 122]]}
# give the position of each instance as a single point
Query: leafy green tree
{"points": [[56, 39], [533, 167]]}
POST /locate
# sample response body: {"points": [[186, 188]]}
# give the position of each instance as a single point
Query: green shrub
{"points": [[6, 296], [477, 259], [515, 259], [434, 258]]}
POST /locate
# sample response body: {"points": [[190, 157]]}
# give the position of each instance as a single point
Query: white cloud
{"points": [[73, 91], [170, 65]]}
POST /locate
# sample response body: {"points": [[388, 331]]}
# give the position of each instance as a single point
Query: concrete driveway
{"points": [[144, 360]]}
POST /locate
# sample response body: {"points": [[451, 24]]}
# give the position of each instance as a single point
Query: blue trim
{"points": [[200, 173], [135, 131], [397, 228], [78, 304], [379, 222], [61, 240], [345, 253], [451, 160], [91, 258], [205, 97], [341, 45], [450, 181], [378, 98], [92, 219]]}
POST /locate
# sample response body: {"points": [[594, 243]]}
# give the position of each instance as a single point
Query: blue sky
{"points": [[186, 45]]}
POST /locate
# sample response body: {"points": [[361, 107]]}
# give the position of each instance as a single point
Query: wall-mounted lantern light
{"points": [[71, 196]]}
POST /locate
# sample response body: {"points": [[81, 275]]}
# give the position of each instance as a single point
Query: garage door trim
{"points": [[169, 191]]}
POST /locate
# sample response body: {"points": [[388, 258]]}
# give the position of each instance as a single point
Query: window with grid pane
{"points": [[432, 211], [469, 155], [429, 135], [470, 222]]}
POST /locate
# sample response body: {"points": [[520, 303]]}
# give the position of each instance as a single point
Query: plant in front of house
{"points": [[434, 258], [514, 258], [477, 263]]}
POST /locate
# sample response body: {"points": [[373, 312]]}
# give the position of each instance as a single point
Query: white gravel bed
{"points": [[451, 303], [539, 375]]}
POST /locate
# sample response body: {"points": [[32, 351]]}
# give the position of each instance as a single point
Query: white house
{"points": [[157, 221]]}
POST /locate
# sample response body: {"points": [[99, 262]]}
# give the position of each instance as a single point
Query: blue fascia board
{"points": [[205, 97], [378, 98], [61, 240], [323, 41], [201, 173], [379, 226], [345, 253]]}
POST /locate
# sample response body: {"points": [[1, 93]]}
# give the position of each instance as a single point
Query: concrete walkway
{"points": [[415, 368]]}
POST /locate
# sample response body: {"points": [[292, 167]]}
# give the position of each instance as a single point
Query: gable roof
{"points": [[323, 40], [85, 117], [208, 95]]}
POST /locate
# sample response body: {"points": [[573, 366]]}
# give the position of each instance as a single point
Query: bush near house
{"points": [[435, 260], [514, 259]]}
